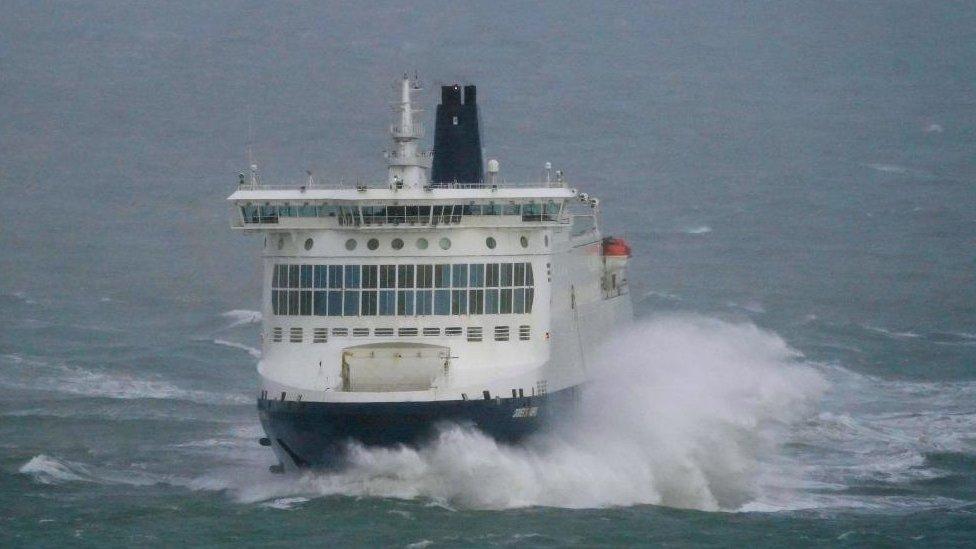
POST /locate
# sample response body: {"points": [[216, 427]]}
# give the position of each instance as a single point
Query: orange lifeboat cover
{"points": [[616, 247]]}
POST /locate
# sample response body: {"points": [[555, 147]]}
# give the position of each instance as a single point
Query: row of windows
{"points": [[441, 275], [321, 335], [421, 243], [402, 302], [402, 290], [396, 215]]}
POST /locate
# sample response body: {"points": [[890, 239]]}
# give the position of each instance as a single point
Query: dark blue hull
{"points": [[315, 434]]}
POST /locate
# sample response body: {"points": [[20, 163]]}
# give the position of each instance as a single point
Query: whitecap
{"points": [[234, 345], [239, 317], [662, 294], [891, 333], [701, 229], [285, 504], [889, 168], [47, 470], [51, 470], [36, 374], [934, 128]]}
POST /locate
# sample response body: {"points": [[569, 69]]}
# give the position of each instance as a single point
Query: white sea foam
{"points": [[285, 503], [234, 345], [934, 128], [663, 295], [892, 333], [33, 373], [751, 306], [239, 317], [889, 168], [682, 412], [701, 229], [47, 470]]}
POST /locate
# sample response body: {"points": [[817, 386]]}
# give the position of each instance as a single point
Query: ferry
{"points": [[443, 295]]}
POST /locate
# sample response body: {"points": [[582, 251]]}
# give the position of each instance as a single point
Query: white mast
{"points": [[408, 164]]}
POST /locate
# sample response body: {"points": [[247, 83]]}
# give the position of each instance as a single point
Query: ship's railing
{"points": [[248, 186], [417, 130]]}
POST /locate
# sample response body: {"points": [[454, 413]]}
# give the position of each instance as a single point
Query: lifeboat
{"points": [[615, 247]]}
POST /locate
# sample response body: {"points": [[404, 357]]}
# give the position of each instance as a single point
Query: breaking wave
{"points": [[29, 373], [48, 470], [240, 317], [892, 333], [45, 469], [702, 229], [683, 412], [234, 345]]}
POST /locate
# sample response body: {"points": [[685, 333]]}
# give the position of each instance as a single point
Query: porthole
{"points": [[351, 244], [372, 244], [422, 243], [490, 242], [445, 243], [397, 244], [308, 243], [281, 242], [525, 241]]}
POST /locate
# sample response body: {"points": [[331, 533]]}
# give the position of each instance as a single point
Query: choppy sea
{"points": [[797, 180]]}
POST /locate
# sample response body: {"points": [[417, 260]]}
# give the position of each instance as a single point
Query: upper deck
{"points": [[312, 206], [409, 197]]}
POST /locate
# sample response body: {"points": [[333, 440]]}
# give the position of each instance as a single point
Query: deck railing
{"points": [[320, 185]]}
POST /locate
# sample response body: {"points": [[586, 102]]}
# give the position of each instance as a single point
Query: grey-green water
{"points": [[797, 181]]}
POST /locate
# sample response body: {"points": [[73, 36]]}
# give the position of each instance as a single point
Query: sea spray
{"points": [[680, 411]]}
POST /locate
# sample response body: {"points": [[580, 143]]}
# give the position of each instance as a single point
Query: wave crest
{"points": [[683, 412]]}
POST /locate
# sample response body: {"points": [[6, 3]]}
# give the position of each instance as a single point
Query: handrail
{"points": [[247, 186]]}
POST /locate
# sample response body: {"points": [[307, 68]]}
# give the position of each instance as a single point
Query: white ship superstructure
{"points": [[389, 308]]}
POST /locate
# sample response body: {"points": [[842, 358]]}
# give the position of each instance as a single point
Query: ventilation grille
{"points": [[340, 332], [320, 335], [276, 335], [432, 332], [474, 333], [407, 332], [501, 333], [383, 332], [295, 335], [360, 332], [525, 332], [452, 331]]}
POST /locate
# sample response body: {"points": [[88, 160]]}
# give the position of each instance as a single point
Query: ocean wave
{"points": [[234, 345], [891, 333], [285, 504], [31, 373], [662, 295], [47, 470], [701, 229], [751, 306], [240, 317], [888, 168], [689, 425], [22, 297]]}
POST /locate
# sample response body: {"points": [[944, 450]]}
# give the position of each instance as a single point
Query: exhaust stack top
{"points": [[457, 139]]}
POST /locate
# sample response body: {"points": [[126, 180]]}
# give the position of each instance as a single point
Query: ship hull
{"points": [[317, 434]]}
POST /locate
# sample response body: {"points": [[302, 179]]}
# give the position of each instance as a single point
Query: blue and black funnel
{"points": [[457, 138]]}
